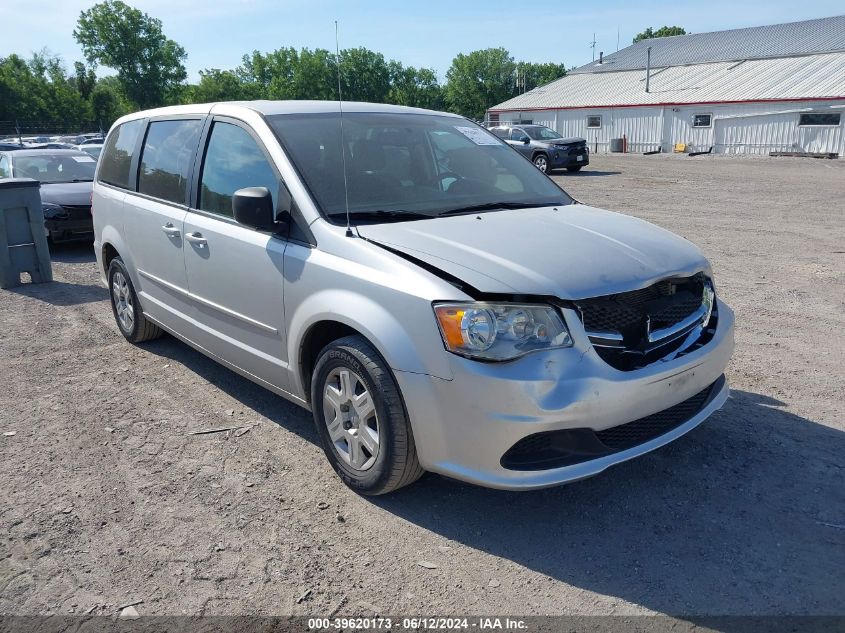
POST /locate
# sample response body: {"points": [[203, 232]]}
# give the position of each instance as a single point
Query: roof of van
{"points": [[286, 107]]}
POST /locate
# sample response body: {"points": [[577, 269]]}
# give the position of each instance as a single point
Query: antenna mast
{"points": [[593, 46], [342, 142]]}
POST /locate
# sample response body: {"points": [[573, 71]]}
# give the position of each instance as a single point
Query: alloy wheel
{"points": [[122, 298], [350, 416]]}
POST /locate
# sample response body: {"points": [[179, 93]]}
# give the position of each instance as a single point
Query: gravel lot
{"points": [[106, 499]]}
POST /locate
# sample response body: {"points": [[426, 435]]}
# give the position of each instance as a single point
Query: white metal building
{"points": [[753, 90]]}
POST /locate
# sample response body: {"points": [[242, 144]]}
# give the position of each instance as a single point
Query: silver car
{"points": [[437, 302]]}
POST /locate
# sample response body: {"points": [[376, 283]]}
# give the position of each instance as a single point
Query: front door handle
{"points": [[196, 238], [170, 230]]}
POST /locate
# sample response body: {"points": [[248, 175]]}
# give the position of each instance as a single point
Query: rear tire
{"points": [[574, 168], [361, 418], [126, 308]]}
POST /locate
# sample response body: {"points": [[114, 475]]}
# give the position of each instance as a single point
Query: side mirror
{"points": [[253, 206], [525, 140]]}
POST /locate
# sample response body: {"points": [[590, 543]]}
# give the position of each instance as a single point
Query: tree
{"points": [[663, 31], [531, 75], [108, 102], [290, 74], [312, 74], [479, 80], [148, 64], [84, 79], [417, 87], [220, 85], [38, 92], [364, 75]]}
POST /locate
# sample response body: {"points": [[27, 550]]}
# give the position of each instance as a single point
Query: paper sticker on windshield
{"points": [[83, 159], [478, 136]]}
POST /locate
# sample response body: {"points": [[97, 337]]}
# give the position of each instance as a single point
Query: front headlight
{"points": [[500, 331]]}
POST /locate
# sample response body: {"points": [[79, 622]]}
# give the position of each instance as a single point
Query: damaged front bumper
{"points": [[464, 427]]}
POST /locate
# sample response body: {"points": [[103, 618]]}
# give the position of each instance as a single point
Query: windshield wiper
{"points": [[382, 214], [491, 206]]}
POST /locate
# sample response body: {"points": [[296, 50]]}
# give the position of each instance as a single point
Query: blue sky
{"points": [[430, 33]]}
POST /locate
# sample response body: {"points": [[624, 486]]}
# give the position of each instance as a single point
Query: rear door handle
{"points": [[196, 238], [169, 229]]}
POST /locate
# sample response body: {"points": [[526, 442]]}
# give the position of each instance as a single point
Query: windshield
{"points": [[409, 166], [51, 168], [542, 133]]}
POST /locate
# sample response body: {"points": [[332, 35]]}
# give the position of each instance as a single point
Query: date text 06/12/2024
{"points": [[417, 623]]}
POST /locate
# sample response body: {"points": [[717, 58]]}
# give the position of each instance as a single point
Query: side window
{"points": [[117, 155], [166, 159], [517, 133], [501, 132], [4, 166], [233, 160]]}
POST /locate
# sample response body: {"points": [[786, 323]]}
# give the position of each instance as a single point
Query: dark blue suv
{"points": [[544, 147]]}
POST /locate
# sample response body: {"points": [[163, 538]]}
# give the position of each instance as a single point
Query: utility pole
{"points": [[593, 46]]}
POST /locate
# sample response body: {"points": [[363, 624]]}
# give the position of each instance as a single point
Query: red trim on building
{"points": [[669, 103]]}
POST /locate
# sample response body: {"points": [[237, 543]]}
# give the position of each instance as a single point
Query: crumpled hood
{"points": [[72, 194], [572, 253]]}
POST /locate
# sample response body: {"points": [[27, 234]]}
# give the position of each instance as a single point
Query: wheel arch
{"points": [[318, 321], [111, 246], [315, 340]]}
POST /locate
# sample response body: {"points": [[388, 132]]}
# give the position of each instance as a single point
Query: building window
{"points": [[594, 121], [526, 121], [819, 118], [702, 120]]}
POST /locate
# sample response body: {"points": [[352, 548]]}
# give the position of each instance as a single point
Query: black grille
{"points": [[683, 305], [632, 315], [555, 449], [669, 301], [609, 316], [624, 436]]}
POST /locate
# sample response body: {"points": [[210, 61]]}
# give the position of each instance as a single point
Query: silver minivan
{"points": [[436, 301]]}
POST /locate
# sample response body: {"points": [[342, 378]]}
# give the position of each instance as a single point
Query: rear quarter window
{"points": [[117, 154]]}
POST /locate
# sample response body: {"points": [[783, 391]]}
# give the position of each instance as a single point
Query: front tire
{"points": [[541, 162], [126, 308], [361, 418]]}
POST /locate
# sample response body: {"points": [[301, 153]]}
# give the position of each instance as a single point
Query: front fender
{"points": [[405, 333]]}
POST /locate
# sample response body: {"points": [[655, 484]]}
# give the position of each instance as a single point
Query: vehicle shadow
{"points": [[78, 252], [62, 293], [275, 408], [588, 172], [744, 515]]}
